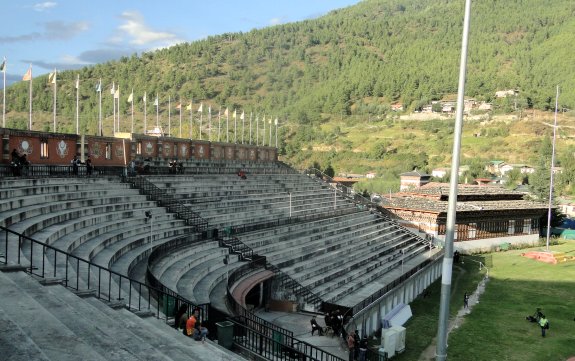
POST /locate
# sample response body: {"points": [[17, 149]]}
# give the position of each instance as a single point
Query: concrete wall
{"points": [[368, 320]]}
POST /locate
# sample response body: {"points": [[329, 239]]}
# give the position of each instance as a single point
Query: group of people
{"points": [[539, 318], [192, 326], [333, 320], [176, 167], [18, 163], [76, 164], [357, 346]]}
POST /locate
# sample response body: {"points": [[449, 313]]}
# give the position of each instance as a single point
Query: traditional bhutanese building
{"points": [[482, 212]]}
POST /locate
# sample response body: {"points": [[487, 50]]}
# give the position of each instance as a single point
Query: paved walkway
{"points": [[429, 353], [299, 324]]}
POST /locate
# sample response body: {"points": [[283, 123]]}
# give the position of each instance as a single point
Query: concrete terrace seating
{"points": [[195, 270], [226, 200], [51, 323], [101, 220], [337, 256]]}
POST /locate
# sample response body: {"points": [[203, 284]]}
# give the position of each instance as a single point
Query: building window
{"points": [[139, 148], [511, 229], [43, 149], [527, 226], [472, 231], [108, 150]]}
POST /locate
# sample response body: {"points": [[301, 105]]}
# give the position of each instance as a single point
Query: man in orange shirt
{"points": [[191, 323]]}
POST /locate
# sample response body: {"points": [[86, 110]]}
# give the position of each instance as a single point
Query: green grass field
{"points": [[496, 329]]}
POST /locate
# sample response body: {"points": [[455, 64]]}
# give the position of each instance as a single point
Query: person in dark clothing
{"points": [[363, 348], [357, 340], [315, 326], [465, 300], [75, 162], [180, 318], [89, 167]]}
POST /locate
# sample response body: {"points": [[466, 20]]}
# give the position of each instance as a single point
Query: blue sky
{"points": [[69, 34]]}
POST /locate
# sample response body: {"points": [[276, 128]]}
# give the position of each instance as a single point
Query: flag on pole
{"points": [[226, 112], [179, 106], [276, 121], [117, 93], [131, 97], [201, 108], [99, 87], [28, 75], [144, 97], [77, 85], [156, 101], [113, 90], [52, 77], [234, 115], [242, 116], [3, 65]]}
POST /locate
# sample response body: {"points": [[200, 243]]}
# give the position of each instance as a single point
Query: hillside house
{"points": [[413, 180], [506, 93]]}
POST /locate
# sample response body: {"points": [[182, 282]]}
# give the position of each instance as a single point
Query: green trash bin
{"points": [[225, 334], [278, 341], [504, 246]]}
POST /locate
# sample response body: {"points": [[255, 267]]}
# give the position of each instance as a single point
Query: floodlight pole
{"points": [[552, 173], [441, 350]]}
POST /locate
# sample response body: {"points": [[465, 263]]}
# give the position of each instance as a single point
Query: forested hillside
{"points": [[348, 66]]}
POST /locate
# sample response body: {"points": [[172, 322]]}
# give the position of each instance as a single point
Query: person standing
{"points": [[75, 162], [89, 166], [363, 348], [465, 300], [544, 323], [351, 346]]}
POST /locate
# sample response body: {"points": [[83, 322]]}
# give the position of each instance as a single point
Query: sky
{"points": [[70, 34]]}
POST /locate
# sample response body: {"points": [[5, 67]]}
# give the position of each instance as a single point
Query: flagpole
{"points": [[264, 135], [250, 128], [180, 117], [132, 103], [55, 92], [210, 123], [219, 122], [78, 104], [100, 109], [118, 127], [30, 123], [235, 127], [201, 118], [145, 115], [114, 102], [169, 115], [243, 126], [4, 95], [157, 112], [276, 121], [270, 142], [227, 125], [191, 118], [257, 131]]}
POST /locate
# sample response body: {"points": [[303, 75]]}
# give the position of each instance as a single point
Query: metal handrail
{"points": [[71, 266], [46, 170], [247, 253], [167, 200], [247, 323]]}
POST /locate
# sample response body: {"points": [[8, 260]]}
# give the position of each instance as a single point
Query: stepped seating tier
{"points": [[76, 328]]}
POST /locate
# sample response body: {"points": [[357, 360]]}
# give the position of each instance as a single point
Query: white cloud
{"points": [[140, 34], [275, 21], [53, 30], [44, 6]]}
